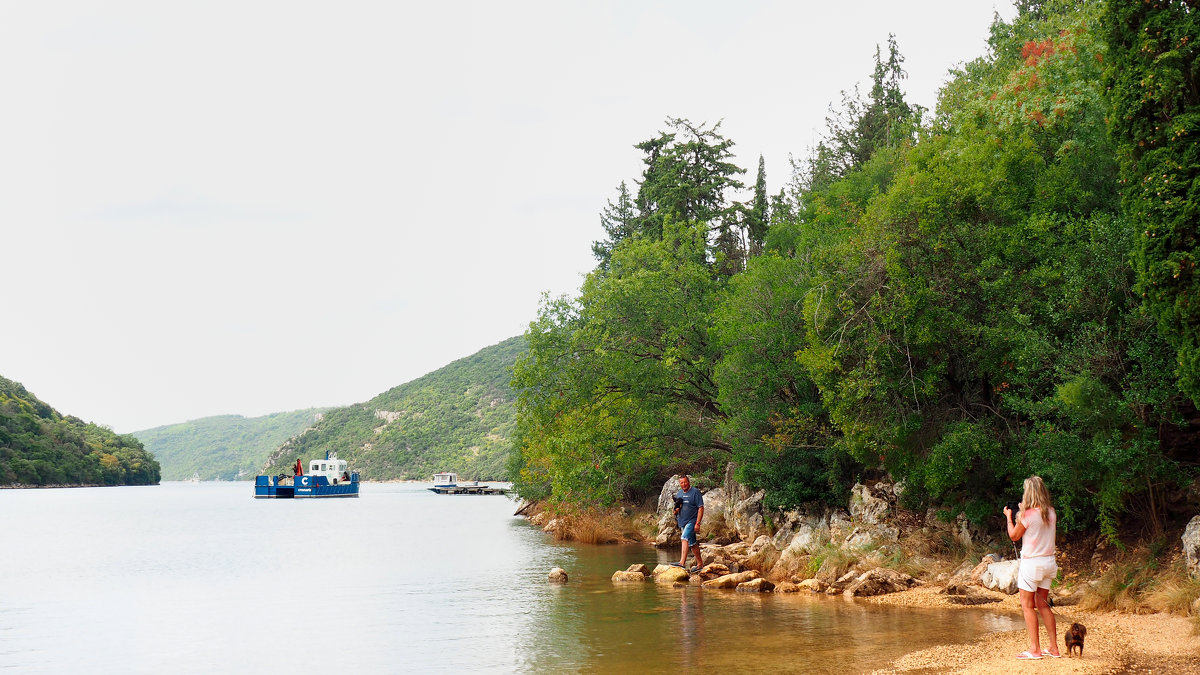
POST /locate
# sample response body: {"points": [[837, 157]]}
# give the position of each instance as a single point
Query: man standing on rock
{"points": [[689, 512]]}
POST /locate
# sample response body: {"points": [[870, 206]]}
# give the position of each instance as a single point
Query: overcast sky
{"points": [[250, 207]]}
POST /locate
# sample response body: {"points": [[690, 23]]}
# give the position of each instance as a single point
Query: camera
{"points": [[678, 503], [1015, 509]]}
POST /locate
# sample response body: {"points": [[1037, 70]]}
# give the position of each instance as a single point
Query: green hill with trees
{"points": [[224, 446], [41, 447], [458, 418], [956, 299]]}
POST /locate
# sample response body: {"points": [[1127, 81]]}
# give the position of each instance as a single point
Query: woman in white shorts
{"points": [[1035, 529]]}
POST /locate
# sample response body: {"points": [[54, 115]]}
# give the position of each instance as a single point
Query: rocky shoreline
{"points": [[877, 552]]}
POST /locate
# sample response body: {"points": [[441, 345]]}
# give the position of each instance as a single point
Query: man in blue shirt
{"points": [[689, 512]]}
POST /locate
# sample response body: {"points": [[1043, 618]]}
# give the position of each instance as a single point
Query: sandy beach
{"points": [[1116, 643]]}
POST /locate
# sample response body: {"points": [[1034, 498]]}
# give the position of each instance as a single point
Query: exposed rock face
{"points": [[731, 580], [1191, 546], [558, 575], [867, 507], [668, 529], [715, 525], [759, 585], [623, 576], [1001, 576], [878, 582], [744, 510], [669, 574]]}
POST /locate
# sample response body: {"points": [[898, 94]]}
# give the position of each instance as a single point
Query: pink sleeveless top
{"points": [[1038, 539]]}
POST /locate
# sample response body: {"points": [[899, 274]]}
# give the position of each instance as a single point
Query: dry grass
{"points": [[594, 526], [1144, 583], [831, 562]]}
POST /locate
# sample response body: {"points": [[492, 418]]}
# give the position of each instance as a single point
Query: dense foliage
{"points": [[224, 447], [948, 300], [40, 447], [459, 418]]}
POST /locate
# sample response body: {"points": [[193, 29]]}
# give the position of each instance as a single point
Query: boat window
{"points": [[322, 467]]}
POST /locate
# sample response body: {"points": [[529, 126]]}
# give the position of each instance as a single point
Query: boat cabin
{"points": [[445, 479], [331, 467]]}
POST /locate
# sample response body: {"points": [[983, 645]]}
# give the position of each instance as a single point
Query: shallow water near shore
{"points": [[202, 577]]}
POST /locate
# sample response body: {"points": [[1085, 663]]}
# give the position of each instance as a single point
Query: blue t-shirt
{"points": [[692, 502]]}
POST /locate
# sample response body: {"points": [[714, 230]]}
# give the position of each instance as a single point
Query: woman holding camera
{"points": [[1034, 527]]}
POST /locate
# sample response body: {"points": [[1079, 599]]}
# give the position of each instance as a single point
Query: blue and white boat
{"points": [[325, 478]]}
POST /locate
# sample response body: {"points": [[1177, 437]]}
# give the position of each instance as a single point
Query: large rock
{"points": [[979, 570], [670, 574], [1001, 576], [716, 525], [868, 507], [638, 567], [624, 576], [713, 570], [668, 529], [744, 510], [758, 585], [878, 581], [1191, 546], [811, 585], [787, 587], [558, 575], [871, 536], [732, 580]]}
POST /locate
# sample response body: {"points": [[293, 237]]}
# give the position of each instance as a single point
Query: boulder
{"points": [[1191, 546], [638, 567], [878, 581], [977, 572], [758, 585], [670, 574], [623, 576], [872, 536], [1001, 576], [840, 584], [558, 575], [713, 570], [811, 585], [668, 529], [743, 511], [715, 525], [731, 580], [787, 587]]}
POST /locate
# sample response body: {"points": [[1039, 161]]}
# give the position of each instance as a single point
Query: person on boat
{"points": [[1034, 527], [689, 515]]}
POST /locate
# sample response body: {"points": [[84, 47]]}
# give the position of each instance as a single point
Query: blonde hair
{"points": [[1037, 496]]}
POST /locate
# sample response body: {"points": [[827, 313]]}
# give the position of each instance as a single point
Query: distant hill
{"points": [[458, 418], [41, 447], [218, 448]]}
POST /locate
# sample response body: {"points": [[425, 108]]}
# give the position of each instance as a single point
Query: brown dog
{"points": [[1074, 638]]}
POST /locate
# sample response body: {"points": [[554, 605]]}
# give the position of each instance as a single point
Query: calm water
{"points": [[202, 577]]}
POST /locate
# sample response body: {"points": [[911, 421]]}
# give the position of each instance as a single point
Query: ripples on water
{"points": [[202, 577]]}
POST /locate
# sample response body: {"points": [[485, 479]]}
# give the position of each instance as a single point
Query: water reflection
{"points": [[593, 625]]}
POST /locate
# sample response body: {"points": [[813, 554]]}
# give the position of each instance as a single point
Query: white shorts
{"points": [[1037, 572]]}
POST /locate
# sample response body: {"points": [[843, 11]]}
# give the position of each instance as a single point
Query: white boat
{"points": [[447, 484]]}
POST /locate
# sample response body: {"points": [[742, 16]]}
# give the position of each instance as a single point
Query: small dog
{"points": [[1074, 638]]}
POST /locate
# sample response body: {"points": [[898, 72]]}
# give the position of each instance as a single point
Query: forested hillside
{"points": [[222, 447], [458, 418], [40, 447], [955, 298]]}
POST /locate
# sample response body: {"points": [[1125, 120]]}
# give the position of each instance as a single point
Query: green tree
{"points": [[1154, 82]]}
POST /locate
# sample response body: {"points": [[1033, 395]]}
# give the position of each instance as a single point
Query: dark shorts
{"points": [[689, 532]]}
